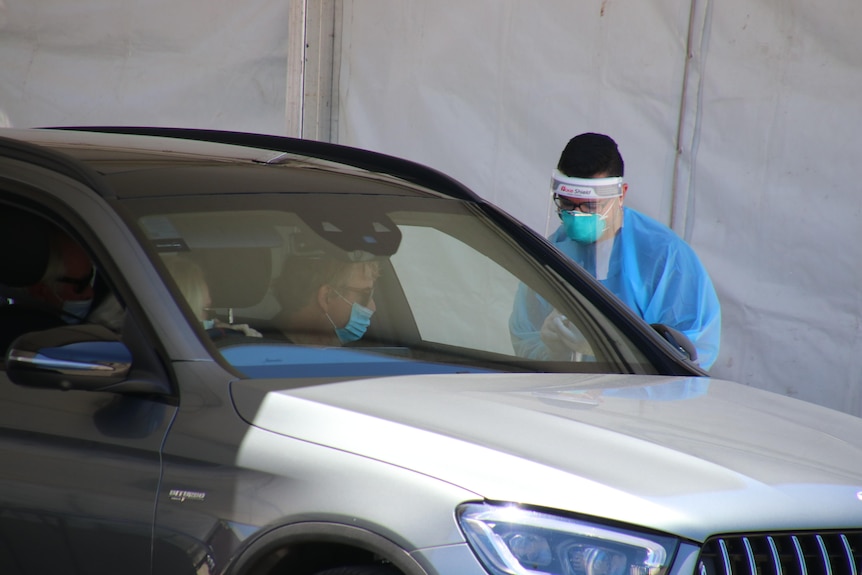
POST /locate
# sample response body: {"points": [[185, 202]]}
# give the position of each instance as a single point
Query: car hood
{"points": [[689, 456]]}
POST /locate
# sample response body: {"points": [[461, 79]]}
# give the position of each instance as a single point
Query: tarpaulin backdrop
{"points": [[191, 63], [739, 123]]}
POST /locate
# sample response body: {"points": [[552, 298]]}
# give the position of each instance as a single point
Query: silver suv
{"points": [[245, 354]]}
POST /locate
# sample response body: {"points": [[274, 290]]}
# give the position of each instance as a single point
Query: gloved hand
{"points": [[562, 338], [241, 327]]}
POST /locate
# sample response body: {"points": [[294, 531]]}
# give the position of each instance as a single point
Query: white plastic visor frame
{"points": [[586, 188]]}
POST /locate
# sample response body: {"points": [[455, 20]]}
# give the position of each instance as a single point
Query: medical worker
{"points": [[639, 259]]}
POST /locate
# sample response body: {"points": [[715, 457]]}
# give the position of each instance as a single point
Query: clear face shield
{"points": [[581, 205]]}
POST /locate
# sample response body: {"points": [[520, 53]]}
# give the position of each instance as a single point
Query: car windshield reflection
{"points": [[305, 285]]}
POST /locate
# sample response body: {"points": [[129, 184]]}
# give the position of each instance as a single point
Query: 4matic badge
{"points": [[182, 495]]}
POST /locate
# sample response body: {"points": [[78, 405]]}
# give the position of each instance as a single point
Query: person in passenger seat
{"points": [[191, 280], [325, 301]]}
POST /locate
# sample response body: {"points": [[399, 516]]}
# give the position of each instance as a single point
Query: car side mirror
{"points": [[83, 357], [678, 340]]}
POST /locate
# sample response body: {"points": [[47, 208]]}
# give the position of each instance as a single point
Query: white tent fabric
{"points": [[738, 122], [190, 63]]}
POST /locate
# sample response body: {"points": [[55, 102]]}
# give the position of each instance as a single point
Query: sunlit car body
{"points": [[429, 446]]}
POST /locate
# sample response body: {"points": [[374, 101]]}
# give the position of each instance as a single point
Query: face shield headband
{"points": [[586, 188]]}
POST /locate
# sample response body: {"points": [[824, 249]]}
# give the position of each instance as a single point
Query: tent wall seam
{"points": [[296, 57], [688, 125]]}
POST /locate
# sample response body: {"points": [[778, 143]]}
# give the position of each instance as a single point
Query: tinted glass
{"points": [[283, 284]]}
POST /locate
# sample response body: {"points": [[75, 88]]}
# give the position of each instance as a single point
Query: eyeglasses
{"points": [[363, 295], [585, 206], [79, 284]]}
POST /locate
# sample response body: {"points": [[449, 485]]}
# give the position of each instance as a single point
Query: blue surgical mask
{"points": [[76, 311], [583, 228], [357, 325]]}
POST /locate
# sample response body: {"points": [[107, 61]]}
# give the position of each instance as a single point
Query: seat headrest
{"points": [[25, 247], [237, 277]]}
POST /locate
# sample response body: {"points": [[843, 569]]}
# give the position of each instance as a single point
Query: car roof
{"points": [[135, 162]]}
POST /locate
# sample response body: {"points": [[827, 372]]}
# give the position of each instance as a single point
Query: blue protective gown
{"points": [[652, 270]]}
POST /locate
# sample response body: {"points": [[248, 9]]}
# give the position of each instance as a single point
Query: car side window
{"points": [[48, 279]]}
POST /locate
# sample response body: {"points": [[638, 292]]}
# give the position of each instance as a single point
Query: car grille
{"points": [[832, 553]]}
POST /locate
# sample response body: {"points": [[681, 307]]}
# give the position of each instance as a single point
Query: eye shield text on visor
{"points": [[586, 188]]}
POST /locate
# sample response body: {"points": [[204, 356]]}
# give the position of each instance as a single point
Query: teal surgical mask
{"points": [[583, 228], [357, 325]]}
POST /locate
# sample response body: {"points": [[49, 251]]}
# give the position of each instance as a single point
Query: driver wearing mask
{"points": [[67, 284], [63, 295]]}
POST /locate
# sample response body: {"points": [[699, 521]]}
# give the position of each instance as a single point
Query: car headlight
{"points": [[510, 540]]}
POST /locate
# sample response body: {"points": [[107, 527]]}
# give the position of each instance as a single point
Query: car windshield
{"points": [[347, 285]]}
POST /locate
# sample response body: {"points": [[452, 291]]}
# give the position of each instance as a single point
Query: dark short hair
{"points": [[588, 155], [301, 277]]}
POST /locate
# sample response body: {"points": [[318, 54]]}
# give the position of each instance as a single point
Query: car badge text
{"points": [[184, 495]]}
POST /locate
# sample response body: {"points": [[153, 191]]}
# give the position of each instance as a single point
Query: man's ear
{"points": [[625, 189], [324, 293]]}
